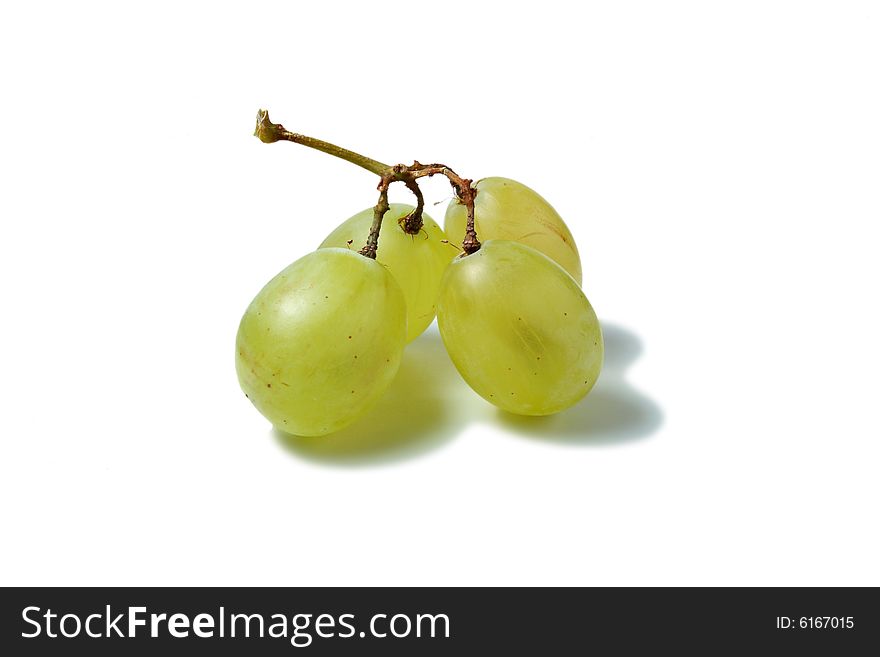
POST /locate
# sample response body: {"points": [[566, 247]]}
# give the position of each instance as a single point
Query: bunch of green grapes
{"points": [[323, 340]]}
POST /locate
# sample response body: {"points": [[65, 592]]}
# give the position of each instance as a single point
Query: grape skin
{"points": [[519, 329], [321, 342], [417, 262], [505, 209]]}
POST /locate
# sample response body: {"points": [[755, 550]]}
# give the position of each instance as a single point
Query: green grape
{"points": [[417, 262], [519, 329], [321, 341], [507, 210]]}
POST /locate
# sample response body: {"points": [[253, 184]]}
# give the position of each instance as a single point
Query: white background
{"points": [[718, 164]]}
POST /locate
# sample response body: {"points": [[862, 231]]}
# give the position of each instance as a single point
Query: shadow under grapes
{"points": [[428, 404], [614, 412], [415, 416]]}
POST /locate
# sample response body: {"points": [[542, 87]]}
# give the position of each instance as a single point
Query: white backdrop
{"points": [[717, 163]]}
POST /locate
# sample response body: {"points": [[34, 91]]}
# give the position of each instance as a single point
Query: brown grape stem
{"points": [[412, 223], [379, 211], [269, 132]]}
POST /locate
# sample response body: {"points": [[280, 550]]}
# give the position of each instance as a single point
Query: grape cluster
{"points": [[323, 340]]}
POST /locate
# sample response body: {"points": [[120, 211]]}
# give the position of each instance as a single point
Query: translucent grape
{"points": [[417, 262], [507, 210], [321, 341], [519, 329]]}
